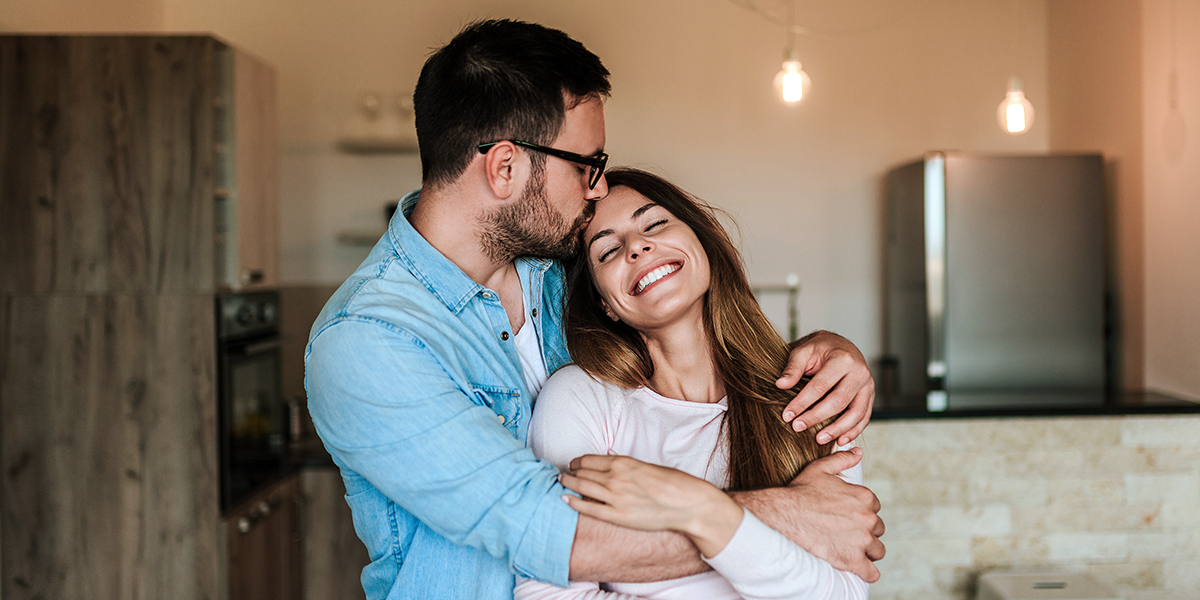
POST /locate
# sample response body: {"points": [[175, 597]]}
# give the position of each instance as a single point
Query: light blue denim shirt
{"points": [[416, 390]]}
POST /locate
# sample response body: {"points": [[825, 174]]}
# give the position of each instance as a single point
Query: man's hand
{"points": [[832, 519], [840, 375]]}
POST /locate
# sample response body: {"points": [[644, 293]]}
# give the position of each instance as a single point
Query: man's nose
{"points": [[598, 192]]}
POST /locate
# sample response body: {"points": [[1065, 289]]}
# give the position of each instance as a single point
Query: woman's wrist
{"points": [[711, 528]]}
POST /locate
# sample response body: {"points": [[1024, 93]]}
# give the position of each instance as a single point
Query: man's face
{"points": [[555, 204]]}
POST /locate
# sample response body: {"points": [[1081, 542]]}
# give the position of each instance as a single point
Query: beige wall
{"points": [[1094, 50], [1125, 52], [1172, 197], [81, 16]]}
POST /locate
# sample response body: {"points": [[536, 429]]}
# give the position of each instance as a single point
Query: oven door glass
{"points": [[253, 418]]}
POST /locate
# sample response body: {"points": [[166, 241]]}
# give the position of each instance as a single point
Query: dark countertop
{"points": [[1034, 404], [308, 453]]}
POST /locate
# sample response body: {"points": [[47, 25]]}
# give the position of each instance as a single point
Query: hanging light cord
{"points": [[791, 25], [771, 16]]}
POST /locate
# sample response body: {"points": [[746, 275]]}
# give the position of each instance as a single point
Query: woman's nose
{"points": [[640, 248]]}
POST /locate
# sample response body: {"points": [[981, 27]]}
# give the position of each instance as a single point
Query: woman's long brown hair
{"points": [[748, 353]]}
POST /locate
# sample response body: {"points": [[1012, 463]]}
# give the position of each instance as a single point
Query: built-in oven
{"points": [[251, 416]]}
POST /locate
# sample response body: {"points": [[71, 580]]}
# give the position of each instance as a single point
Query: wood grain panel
{"points": [[334, 557], [257, 151], [109, 448], [265, 559], [107, 163]]}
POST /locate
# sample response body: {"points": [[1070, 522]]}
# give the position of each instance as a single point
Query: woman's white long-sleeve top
{"points": [[577, 415]]}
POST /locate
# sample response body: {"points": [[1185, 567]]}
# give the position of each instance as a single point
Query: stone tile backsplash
{"points": [[1117, 497]]}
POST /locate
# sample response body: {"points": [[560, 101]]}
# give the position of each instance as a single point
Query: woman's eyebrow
{"points": [[599, 234], [637, 213]]}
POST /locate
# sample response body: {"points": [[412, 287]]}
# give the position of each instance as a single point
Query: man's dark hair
{"points": [[498, 80]]}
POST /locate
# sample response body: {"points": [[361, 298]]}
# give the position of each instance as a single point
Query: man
{"points": [[423, 366]]}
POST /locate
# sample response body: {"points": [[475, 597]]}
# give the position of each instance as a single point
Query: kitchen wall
{"points": [[1092, 45], [73, 16], [1171, 134], [1111, 496], [1128, 53]]}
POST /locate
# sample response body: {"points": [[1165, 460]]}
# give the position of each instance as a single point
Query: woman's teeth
{"points": [[655, 275]]}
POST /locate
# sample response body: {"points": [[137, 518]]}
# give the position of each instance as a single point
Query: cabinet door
{"points": [[257, 155], [108, 446], [106, 164], [264, 545], [334, 557]]}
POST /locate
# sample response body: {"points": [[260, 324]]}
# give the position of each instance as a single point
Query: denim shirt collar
{"points": [[441, 276]]}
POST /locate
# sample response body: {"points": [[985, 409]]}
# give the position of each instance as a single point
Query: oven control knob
{"points": [[245, 314], [266, 312]]}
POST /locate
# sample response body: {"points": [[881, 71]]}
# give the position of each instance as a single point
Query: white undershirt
{"points": [[529, 348]]}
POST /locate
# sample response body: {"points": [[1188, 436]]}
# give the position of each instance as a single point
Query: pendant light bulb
{"points": [[792, 82], [1015, 113]]}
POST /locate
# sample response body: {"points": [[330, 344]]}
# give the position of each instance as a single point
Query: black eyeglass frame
{"points": [[596, 162]]}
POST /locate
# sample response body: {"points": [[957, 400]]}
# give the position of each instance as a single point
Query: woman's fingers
{"points": [[595, 462], [590, 508], [595, 490], [645, 496]]}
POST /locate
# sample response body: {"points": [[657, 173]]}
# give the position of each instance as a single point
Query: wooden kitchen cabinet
{"points": [[247, 190], [264, 541], [108, 448], [136, 164], [334, 557], [138, 181]]}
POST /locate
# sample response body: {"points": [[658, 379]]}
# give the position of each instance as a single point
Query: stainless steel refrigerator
{"points": [[995, 293]]}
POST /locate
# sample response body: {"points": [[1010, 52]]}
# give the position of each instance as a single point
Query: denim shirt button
{"points": [[487, 295], [534, 312], [501, 419], [504, 335]]}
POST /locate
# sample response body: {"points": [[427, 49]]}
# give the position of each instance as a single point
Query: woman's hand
{"points": [[628, 492], [840, 375]]}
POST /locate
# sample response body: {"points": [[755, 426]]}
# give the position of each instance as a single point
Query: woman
{"points": [[676, 365]]}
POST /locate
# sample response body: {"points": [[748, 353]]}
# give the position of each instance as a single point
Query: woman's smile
{"points": [[654, 275]]}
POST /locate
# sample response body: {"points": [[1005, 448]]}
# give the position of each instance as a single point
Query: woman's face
{"points": [[648, 265]]}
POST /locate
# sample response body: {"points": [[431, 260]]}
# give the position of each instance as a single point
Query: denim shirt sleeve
{"points": [[387, 410]]}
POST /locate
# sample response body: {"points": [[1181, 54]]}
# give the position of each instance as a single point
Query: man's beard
{"points": [[528, 226]]}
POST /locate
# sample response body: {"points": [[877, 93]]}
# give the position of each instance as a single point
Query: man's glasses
{"points": [[596, 162]]}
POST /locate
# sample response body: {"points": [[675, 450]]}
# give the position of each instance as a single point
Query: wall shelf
{"points": [[361, 238], [377, 145]]}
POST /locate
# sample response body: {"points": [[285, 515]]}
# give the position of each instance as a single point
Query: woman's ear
{"points": [[608, 311]]}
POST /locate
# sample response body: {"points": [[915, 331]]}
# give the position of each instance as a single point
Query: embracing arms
{"points": [[758, 561], [830, 518]]}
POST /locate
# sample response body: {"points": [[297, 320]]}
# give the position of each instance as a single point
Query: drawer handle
{"points": [[252, 276], [260, 512]]}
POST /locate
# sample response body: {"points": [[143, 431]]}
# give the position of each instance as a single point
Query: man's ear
{"points": [[498, 168], [608, 311]]}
